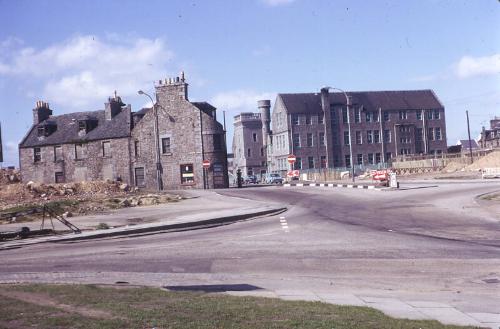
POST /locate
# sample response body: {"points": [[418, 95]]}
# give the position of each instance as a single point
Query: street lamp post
{"points": [[157, 142], [349, 127]]}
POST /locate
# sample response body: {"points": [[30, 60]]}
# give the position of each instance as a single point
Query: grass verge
{"points": [[90, 306]]}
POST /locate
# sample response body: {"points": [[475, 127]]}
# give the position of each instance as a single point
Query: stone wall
{"points": [[94, 166]]}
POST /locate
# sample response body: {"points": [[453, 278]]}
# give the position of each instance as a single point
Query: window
{"points": [[388, 156], [369, 116], [323, 161], [429, 115], [295, 119], [404, 151], [41, 131], [387, 135], [438, 133], [261, 151], [59, 177], [106, 149], [344, 115], [37, 154], [436, 114], [347, 160], [346, 137], [187, 174], [333, 116], [375, 116], [370, 158], [165, 145], [403, 115], [308, 119], [321, 139], [419, 114], [357, 116], [359, 138], [82, 126], [250, 171], [136, 149], [369, 136], [296, 140], [58, 156], [249, 153], [310, 161], [376, 136], [387, 116], [378, 158], [254, 136], [217, 140], [431, 134], [139, 177], [405, 140], [80, 151], [309, 139], [360, 159], [298, 164], [321, 119], [404, 129], [420, 134]]}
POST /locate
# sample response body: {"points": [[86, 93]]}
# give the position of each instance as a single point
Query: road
{"points": [[425, 242]]}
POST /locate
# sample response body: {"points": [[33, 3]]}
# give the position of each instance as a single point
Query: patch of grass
{"points": [[102, 226], [149, 307]]}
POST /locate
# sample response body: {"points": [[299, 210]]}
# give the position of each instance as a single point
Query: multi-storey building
{"points": [[384, 124], [160, 147], [250, 140], [490, 138]]}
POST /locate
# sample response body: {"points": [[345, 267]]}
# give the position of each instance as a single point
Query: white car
{"points": [[274, 179]]}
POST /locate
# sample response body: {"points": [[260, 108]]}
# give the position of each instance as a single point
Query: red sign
{"points": [[380, 174], [291, 158], [206, 164], [293, 173]]}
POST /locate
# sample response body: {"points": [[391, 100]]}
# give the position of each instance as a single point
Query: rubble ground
{"points": [[69, 199]]}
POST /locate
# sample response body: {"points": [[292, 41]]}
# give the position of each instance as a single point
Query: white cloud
{"points": [[275, 3], [478, 66], [242, 100], [86, 69]]}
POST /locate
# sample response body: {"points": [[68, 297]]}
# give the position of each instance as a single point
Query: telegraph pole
{"points": [[470, 142]]}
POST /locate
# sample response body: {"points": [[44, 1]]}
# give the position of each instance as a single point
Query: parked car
{"points": [[251, 179], [274, 179]]}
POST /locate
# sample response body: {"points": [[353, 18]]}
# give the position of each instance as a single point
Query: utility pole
{"points": [[468, 131]]}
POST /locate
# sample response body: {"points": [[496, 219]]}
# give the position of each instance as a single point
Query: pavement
{"points": [[207, 208], [200, 208]]}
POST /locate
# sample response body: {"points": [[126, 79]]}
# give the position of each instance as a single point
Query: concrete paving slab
{"points": [[265, 293], [294, 292], [346, 301], [307, 298], [395, 308], [486, 317], [450, 316], [491, 325], [419, 304]]}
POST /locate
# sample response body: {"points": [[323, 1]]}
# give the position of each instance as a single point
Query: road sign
{"points": [[291, 158], [206, 164], [293, 173], [381, 175]]}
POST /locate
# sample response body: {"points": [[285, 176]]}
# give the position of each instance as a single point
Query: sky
{"points": [[75, 54]]}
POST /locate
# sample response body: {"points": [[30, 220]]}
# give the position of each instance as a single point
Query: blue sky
{"points": [[74, 54]]}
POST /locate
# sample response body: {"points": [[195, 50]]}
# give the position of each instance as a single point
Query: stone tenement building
{"points": [[118, 144], [250, 140], [490, 138], [384, 124]]}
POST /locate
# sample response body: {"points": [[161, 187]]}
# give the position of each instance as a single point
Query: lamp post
{"points": [[349, 127], [157, 142]]}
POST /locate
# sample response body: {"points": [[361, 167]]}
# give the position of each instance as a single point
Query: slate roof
{"points": [[371, 100], [67, 128], [465, 144], [205, 107]]}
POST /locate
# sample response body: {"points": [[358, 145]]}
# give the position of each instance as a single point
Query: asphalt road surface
{"points": [[423, 242]]}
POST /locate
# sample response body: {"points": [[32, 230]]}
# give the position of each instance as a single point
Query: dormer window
{"points": [[46, 129], [82, 126]]}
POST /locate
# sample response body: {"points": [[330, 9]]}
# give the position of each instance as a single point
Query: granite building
{"points": [[384, 124], [490, 138], [160, 147], [250, 140]]}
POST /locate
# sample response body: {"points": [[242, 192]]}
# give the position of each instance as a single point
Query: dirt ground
{"points": [[23, 201]]}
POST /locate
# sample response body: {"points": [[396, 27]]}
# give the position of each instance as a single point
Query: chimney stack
{"points": [[41, 112], [113, 106], [173, 88]]}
